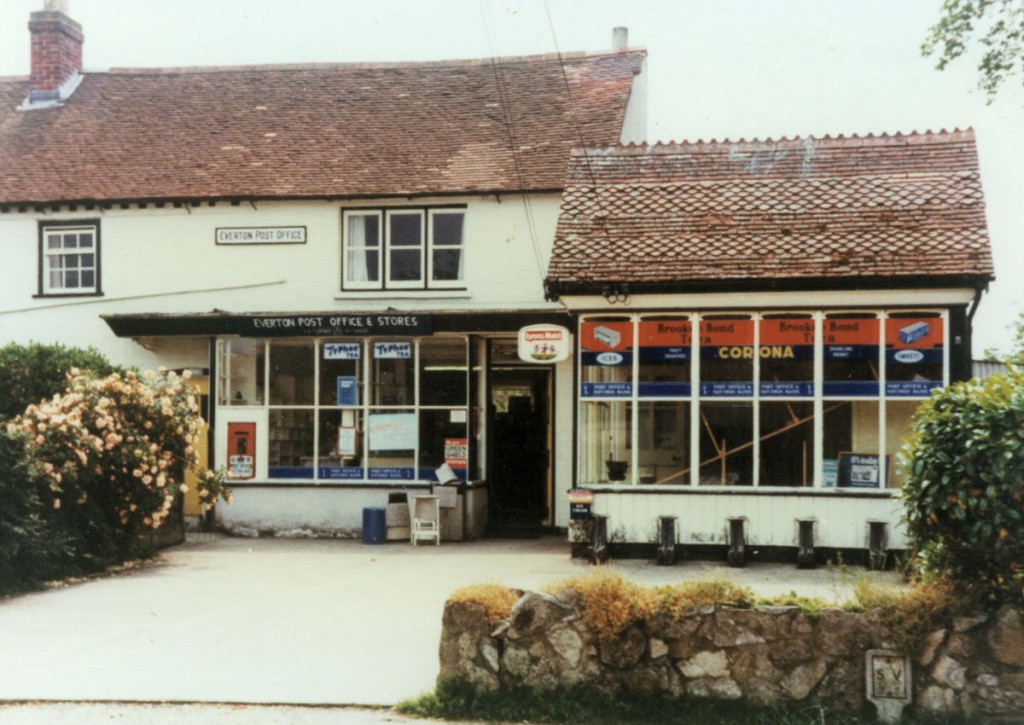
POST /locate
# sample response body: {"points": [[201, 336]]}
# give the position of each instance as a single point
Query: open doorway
{"points": [[519, 443]]}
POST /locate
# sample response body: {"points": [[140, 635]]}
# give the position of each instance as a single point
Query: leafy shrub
{"points": [[964, 489], [112, 453], [496, 599], [31, 373], [28, 545]]}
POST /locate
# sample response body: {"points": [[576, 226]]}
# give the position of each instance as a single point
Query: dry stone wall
{"points": [[765, 655]]}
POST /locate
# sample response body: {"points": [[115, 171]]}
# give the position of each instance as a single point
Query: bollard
{"points": [[598, 553], [737, 556], [666, 554], [805, 550], [878, 543]]}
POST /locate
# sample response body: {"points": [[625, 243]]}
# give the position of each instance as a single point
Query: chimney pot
{"points": [[620, 38]]}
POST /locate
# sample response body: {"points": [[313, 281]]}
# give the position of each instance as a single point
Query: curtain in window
{"points": [[356, 261]]}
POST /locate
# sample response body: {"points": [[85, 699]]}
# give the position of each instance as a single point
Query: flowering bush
{"points": [[115, 449]]}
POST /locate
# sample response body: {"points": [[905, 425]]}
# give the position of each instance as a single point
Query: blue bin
{"points": [[374, 529]]}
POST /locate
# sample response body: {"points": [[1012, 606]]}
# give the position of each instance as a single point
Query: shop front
{"points": [[758, 321], [768, 417], [317, 416]]}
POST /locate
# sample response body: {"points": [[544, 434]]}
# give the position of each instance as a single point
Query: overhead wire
{"points": [[504, 104]]}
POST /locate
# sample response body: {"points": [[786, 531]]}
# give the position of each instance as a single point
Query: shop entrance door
{"points": [[519, 446]]}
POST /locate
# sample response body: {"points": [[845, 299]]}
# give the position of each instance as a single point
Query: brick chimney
{"points": [[56, 52]]}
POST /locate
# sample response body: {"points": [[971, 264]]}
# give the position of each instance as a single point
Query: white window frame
{"points": [[348, 247], [433, 246], [63, 231], [425, 250], [390, 249]]}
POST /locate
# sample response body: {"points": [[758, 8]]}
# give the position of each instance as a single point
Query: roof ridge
{"points": [[445, 63], [966, 134]]}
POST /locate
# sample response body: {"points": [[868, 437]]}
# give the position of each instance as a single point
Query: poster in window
{"points": [[347, 442], [863, 470], [913, 356], [348, 390], [606, 357], [727, 358], [392, 350], [392, 431], [851, 356], [786, 350], [456, 452], [665, 350]]}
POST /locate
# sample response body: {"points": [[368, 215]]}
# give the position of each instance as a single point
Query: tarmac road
{"points": [[284, 622]]}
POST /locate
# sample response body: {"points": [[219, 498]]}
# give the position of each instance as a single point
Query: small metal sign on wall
{"points": [[260, 235]]}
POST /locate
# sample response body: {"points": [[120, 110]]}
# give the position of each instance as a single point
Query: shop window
{"points": [[291, 372], [393, 373], [291, 444], [241, 372], [786, 443], [605, 454], [606, 358], [391, 444], [727, 443], [850, 349], [913, 354], [442, 369], [69, 258], [664, 357], [403, 249], [340, 373], [443, 439], [786, 353], [727, 356], [340, 447], [898, 418], [851, 430], [663, 442]]}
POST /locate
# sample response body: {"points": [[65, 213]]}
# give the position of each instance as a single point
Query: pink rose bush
{"points": [[121, 443]]}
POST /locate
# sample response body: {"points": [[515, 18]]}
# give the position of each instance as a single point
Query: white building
{"points": [[347, 255]]}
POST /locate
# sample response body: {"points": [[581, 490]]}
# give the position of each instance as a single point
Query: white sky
{"points": [[717, 69]]}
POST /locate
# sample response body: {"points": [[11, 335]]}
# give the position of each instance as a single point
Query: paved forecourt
{"points": [[295, 621]]}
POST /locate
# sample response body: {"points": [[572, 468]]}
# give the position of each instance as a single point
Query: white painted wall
{"points": [[166, 261], [842, 522]]}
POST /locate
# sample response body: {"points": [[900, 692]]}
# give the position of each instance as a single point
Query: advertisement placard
{"points": [[544, 344], [456, 452]]}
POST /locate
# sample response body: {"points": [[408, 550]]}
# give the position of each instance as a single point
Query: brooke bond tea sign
{"points": [[544, 344]]}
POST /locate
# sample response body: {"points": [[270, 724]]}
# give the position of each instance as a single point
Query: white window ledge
{"points": [[440, 294]]}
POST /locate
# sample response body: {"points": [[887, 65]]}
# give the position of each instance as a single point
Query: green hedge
{"points": [[964, 489], [31, 373]]}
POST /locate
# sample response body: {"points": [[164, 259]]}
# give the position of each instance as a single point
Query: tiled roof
{"points": [[313, 131], [766, 212]]}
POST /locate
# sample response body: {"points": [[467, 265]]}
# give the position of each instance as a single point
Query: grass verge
{"points": [[459, 700]]}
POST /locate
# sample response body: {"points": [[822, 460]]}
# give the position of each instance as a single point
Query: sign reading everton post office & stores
{"points": [[334, 325]]}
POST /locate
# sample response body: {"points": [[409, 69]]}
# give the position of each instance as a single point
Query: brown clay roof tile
{"points": [[353, 130], [764, 211]]}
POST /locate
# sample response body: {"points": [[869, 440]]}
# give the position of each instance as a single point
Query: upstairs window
{"points": [[403, 249], [69, 262]]}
